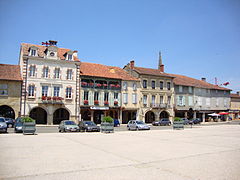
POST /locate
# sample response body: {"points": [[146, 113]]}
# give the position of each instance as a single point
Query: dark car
{"points": [[18, 126], [116, 123], [195, 121], [88, 126], [185, 121], [10, 122], [162, 122], [3, 125]]}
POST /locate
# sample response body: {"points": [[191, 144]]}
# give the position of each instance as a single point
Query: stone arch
{"points": [[60, 114], [149, 117], [164, 114], [39, 114], [7, 112]]}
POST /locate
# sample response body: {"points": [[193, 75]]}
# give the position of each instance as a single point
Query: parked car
{"points": [[3, 125], [18, 125], [137, 125], [185, 121], [10, 122], [162, 122], [195, 121], [68, 126], [116, 123], [88, 126]]}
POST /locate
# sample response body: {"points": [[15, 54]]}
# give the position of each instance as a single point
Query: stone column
{"points": [[203, 117], [50, 119], [185, 114]]}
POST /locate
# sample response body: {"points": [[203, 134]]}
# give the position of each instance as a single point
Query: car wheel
{"points": [[10, 125], [59, 130]]}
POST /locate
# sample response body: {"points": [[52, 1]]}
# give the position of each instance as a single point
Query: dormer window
{"points": [[69, 57], [33, 51]]}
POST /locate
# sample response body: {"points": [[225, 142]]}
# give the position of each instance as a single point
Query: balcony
{"points": [[51, 100], [101, 84], [162, 105]]}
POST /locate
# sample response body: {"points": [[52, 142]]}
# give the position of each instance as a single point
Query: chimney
{"points": [[160, 64], [238, 92], [204, 79], [132, 64], [75, 53]]}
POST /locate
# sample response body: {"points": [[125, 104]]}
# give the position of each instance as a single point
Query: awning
{"points": [[223, 113]]}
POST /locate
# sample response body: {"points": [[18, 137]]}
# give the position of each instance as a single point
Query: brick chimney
{"points": [[204, 79], [132, 64], [160, 64]]}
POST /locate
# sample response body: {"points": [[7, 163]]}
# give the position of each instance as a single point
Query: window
{"points": [[153, 99], [180, 88], [69, 74], [224, 92], [225, 102], [85, 97], [69, 57], [3, 89], [190, 100], [56, 91], [44, 90], [144, 83], [69, 92], [169, 100], [134, 98], [134, 86], [125, 85], [33, 52], [199, 101], [161, 85], [45, 72], [32, 70], [190, 89], [153, 84], [115, 95], [125, 98], [145, 99], [216, 91], [31, 90], [96, 94], [57, 73], [106, 94], [168, 85], [181, 101], [161, 99], [217, 102]]}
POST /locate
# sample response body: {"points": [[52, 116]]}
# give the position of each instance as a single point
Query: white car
{"points": [[137, 125]]}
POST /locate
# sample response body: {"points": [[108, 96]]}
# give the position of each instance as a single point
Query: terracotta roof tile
{"points": [[10, 72], [99, 70], [41, 51], [235, 96], [188, 81], [149, 71]]}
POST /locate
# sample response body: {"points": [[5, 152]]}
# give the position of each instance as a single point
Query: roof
{"points": [[99, 70], [149, 71], [188, 81], [41, 51], [10, 72], [235, 96]]}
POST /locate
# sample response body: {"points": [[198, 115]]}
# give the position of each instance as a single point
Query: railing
{"points": [[51, 100], [101, 86], [162, 105]]}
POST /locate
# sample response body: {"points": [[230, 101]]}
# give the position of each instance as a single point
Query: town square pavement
{"points": [[206, 152]]}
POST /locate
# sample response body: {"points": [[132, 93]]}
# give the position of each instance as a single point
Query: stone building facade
{"points": [[10, 90], [235, 106], [50, 90]]}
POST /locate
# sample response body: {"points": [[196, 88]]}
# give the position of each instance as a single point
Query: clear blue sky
{"points": [[198, 38]]}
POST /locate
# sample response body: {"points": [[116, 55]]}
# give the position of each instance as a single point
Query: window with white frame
{"points": [[153, 84], [161, 99], [3, 89], [180, 88], [44, 90], [125, 98], [32, 70], [57, 73], [161, 85], [145, 99], [169, 100], [56, 91], [134, 98], [144, 83], [134, 86], [33, 52], [190, 89], [115, 95], [181, 101], [45, 72], [106, 95], [168, 85], [190, 100], [125, 85], [31, 90], [85, 95], [69, 57], [153, 99], [69, 74], [68, 92]]}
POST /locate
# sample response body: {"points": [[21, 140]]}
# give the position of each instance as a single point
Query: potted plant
{"points": [[115, 103], [107, 124], [29, 125], [178, 123], [44, 98], [49, 98], [106, 103], [85, 102], [96, 102]]}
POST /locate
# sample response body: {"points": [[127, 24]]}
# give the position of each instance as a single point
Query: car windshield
{"points": [[89, 123], [139, 122], [69, 123], [19, 124], [2, 120]]}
